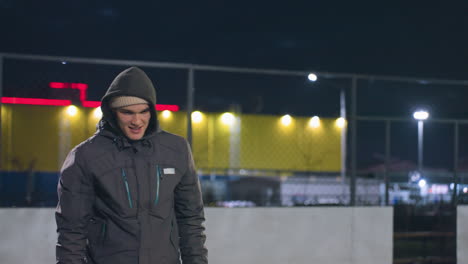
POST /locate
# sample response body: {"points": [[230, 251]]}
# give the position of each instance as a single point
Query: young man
{"points": [[130, 193]]}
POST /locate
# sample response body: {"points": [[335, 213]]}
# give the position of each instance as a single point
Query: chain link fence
{"points": [[259, 137], [423, 161]]}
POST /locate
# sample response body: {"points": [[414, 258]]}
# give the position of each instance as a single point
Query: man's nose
{"points": [[136, 119]]}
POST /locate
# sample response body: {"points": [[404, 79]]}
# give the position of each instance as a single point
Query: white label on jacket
{"points": [[169, 171]]}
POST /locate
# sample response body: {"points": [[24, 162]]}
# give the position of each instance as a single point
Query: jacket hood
{"points": [[130, 82]]}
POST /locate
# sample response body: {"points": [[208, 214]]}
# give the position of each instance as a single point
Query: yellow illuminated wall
{"points": [[201, 146], [219, 142], [41, 136], [175, 122], [268, 144], [210, 138]]}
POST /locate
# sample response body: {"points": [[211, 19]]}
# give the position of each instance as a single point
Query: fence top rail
{"points": [[96, 61], [188, 66], [410, 119]]}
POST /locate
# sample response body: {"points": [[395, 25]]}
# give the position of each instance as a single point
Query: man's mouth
{"points": [[135, 130]]}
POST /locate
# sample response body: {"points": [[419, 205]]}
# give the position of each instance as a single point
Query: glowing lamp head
{"points": [[197, 117], [166, 114], [340, 122], [314, 122], [421, 115], [97, 113], [286, 120], [227, 118], [312, 77], [422, 183], [72, 110]]}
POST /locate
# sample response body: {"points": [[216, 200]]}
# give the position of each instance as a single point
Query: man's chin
{"points": [[134, 137]]}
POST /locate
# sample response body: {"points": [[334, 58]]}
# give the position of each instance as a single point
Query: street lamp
{"points": [[312, 77], [420, 115]]}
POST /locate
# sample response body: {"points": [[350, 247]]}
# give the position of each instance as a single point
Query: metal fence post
{"points": [[343, 137], [352, 182], [387, 159], [1, 95], [190, 95], [455, 165]]}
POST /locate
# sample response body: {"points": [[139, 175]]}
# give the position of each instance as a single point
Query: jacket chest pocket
{"points": [[164, 181], [127, 193], [120, 190]]}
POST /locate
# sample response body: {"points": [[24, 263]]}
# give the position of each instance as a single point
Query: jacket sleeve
{"points": [[190, 215], [76, 197]]}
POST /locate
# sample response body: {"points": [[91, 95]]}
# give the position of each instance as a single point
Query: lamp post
{"points": [[313, 78], [420, 115]]}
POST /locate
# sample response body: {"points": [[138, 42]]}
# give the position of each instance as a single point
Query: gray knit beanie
{"points": [[122, 101]]}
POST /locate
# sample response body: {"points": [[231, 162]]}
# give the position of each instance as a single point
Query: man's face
{"points": [[133, 120]]}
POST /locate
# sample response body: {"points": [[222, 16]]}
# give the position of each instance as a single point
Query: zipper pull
{"points": [[127, 188], [161, 173], [158, 179]]}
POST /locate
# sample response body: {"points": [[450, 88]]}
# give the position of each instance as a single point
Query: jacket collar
{"points": [[122, 142]]}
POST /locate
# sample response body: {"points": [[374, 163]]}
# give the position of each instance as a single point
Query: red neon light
{"points": [[83, 95], [57, 85], [60, 85], [35, 101], [159, 107], [162, 107], [93, 104], [80, 86]]}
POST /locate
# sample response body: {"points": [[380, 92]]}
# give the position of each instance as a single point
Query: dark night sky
{"points": [[426, 39]]}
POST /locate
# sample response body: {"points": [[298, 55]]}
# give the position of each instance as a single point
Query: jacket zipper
{"points": [[103, 231], [170, 234], [124, 176], [158, 179]]}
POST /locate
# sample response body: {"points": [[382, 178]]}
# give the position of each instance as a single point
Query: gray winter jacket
{"points": [[124, 202]]}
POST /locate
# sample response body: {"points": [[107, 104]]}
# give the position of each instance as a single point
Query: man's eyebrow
{"points": [[125, 111], [133, 112], [145, 110]]}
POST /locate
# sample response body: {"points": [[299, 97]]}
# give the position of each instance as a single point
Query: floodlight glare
{"points": [[227, 118], [197, 117], [340, 122], [286, 120], [312, 77], [72, 110], [97, 113], [422, 183], [421, 115], [314, 122], [166, 114]]}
